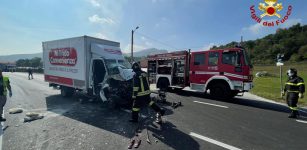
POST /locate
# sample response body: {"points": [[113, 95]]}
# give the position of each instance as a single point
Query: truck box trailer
{"points": [[85, 64]]}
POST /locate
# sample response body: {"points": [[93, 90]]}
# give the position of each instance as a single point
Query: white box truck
{"points": [[85, 64]]}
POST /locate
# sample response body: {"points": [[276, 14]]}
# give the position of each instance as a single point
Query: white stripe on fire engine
{"points": [[235, 75], [217, 73], [203, 72]]}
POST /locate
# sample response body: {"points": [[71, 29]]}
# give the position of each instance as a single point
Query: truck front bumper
{"points": [[247, 86]]}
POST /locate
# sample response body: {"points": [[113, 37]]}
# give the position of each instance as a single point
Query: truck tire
{"points": [[234, 93], [67, 91], [220, 91]]}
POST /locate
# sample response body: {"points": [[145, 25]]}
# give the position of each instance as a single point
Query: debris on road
{"points": [[137, 143], [31, 116], [131, 144], [15, 110], [176, 104]]}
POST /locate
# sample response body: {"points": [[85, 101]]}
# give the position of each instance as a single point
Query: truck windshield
{"points": [[111, 63], [124, 63], [230, 58]]}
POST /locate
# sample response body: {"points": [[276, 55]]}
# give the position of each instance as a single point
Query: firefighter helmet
{"points": [[136, 67], [292, 72]]}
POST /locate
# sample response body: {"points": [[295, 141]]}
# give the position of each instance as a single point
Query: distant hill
{"points": [[146, 52], [12, 58]]}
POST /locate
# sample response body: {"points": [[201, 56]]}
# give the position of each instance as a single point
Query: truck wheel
{"points": [[233, 94], [220, 91], [67, 91]]}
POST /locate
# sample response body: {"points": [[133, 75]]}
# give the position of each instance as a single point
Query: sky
{"points": [[163, 24]]}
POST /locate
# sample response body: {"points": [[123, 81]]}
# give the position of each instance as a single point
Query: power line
{"points": [[165, 44]]}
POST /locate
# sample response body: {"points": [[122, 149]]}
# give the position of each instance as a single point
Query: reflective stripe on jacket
{"points": [[295, 85], [140, 85]]}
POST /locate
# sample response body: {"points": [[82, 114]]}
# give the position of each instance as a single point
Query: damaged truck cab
{"points": [[85, 64]]}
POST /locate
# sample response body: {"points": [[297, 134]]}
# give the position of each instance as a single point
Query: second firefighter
{"points": [[141, 94], [295, 88]]}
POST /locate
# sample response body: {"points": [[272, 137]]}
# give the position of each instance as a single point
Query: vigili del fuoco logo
{"points": [[269, 13]]}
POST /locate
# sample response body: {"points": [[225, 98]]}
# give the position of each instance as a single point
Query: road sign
{"points": [[279, 64]]}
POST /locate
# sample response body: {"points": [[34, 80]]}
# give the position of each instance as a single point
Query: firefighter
{"points": [[141, 95], [30, 73], [4, 86], [295, 88]]}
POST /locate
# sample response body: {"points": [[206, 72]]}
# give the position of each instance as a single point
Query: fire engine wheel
{"points": [[67, 91], [220, 91]]}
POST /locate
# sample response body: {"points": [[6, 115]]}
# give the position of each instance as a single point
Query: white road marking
{"points": [[211, 104], [301, 121], [214, 141]]}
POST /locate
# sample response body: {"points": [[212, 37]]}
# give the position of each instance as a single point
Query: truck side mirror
{"points": [[238, 61]]}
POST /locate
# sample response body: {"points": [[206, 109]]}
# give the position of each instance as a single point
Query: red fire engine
{"points": [[223, 73]]}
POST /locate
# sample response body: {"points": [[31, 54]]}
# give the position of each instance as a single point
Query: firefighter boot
{"points": [[158, 118], [293, 114], [134, 117], [156, 108]]}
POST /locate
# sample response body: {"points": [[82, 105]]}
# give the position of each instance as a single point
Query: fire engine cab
{"points": [[222, 73]]}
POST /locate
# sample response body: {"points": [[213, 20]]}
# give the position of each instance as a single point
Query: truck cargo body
{"points": [[81, 63]]}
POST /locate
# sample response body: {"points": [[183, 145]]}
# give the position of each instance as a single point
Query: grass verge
{"points": [[269, 87]]}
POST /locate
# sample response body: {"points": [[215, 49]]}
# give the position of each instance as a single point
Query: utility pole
{"points": [[132, 33]]}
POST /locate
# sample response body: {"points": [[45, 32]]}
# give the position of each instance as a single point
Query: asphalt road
{"points": [[201, 123]]}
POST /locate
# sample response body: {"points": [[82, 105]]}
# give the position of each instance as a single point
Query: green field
{"points": [[269, 87]]}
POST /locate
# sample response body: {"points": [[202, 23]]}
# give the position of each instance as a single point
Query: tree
{"points": [[295, 58], [303, 52], [36, 62]]}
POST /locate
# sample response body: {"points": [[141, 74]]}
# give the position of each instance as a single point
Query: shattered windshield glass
{"points": [[111, 65], [124, 63]]}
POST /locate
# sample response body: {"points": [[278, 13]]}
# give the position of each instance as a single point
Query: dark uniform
{"points": [[294, 88], [30, 73], [4, 86], [141, 94]]}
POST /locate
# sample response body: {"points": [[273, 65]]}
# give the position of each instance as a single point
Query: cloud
{"points": [[136, 48], [291, 22], [95, 3], [254, 29], [162, 22], [96, 19], [209, 46], [101, 36], [259, 29]]}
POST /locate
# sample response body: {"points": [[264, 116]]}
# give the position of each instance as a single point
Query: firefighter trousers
{"points": [[2, 103], [139, 102], [292, 99]]}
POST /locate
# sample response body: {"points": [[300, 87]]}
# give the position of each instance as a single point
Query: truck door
{"points": [[98, 72], [231, 64], [198, 67]]}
